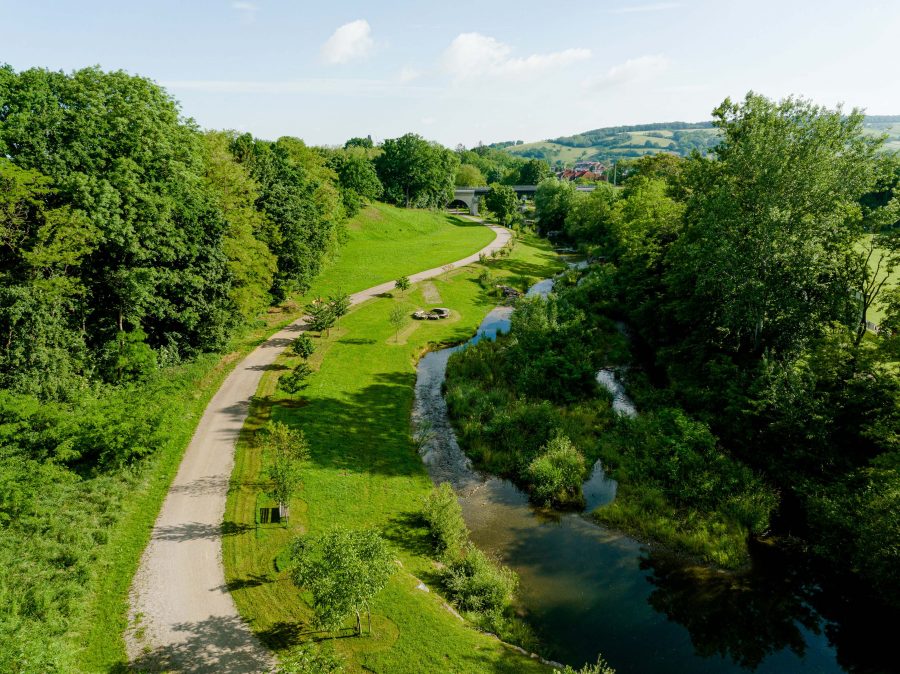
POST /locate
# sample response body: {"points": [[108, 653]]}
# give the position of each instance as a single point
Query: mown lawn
{"points": [[365, 472], [384, 242]]}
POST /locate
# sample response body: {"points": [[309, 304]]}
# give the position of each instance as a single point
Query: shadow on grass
{"points": [[407, 531], [364, 432], [284, 634], [523, 268], [457, 221], [250, 580]]}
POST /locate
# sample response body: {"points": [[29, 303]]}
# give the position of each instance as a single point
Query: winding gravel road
{"points": [[182, 616]]}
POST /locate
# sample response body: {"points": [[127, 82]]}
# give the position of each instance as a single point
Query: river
{"points": [[587, 589]]}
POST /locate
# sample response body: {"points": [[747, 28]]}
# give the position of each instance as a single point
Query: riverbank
{"points": [[365, 472]]}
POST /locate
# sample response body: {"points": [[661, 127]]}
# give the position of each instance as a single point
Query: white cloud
{"points": [[633, 71], [349, 42], [247, 9], [473, 55], [656, 7], [408, 74]]}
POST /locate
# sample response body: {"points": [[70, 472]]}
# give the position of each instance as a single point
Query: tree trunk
{"points": [[358, 624]]}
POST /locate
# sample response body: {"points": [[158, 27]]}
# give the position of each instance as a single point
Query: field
{"points": [[890, 128], [365, 472], [382, 243], [635, 141]]}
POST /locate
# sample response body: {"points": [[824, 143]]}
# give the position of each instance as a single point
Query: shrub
{"points": [[442, 513], [303, 346], [485, 278], [311, 660], [556, 474], [295, 381], [601, 667], [402, 283], [476, 583]]}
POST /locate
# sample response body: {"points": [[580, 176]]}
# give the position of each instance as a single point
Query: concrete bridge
{"points": [[471, 196]]}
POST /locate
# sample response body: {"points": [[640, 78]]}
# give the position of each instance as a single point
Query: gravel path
{"points": [[182, 616]]}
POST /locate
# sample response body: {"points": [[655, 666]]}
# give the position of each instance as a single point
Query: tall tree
{"points": [[533, 172], [416, 173], [770, 225], [502, 201], [552, 202], [250, 261], [117, 150]]}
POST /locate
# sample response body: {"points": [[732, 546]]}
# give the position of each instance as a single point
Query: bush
{"points": [[443, 515], [476, 583], [295, 381], [556, 474], [303, 346], [601, 667], [486, 279], [311, 660]]}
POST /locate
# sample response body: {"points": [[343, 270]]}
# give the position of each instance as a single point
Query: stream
{"points": [[587, 589]]}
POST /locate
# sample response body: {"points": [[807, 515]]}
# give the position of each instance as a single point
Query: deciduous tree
{"points": [[344, 571]]}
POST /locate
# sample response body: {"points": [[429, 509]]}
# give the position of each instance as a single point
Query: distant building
{"points": [[589, 171]]}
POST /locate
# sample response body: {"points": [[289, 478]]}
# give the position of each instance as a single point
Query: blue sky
{"points": [[465, 71]]}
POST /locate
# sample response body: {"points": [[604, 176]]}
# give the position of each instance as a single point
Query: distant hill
{"points": [[620, 142]]}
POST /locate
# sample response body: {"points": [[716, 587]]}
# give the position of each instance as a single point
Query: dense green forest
{"points": [[136, 249], [737, 291]]}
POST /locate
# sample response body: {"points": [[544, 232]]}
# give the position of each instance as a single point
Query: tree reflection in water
{"points": [[749, 615]]}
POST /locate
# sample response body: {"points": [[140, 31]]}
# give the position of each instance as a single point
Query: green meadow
{"points": [[365, 472]]}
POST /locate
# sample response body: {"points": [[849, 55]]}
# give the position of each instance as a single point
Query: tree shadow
{"points": [[457, 221], [250, 580], [216, 645], [357, 341], [362, 432], [285, 634], [524, 268], [195, 531], [202, 486], [266, 368], [408, 532]]}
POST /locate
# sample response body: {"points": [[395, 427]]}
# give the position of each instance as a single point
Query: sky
{"points": [[467, 71]]}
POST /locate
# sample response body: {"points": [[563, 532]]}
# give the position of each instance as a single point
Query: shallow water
{"points": [[589, 590]]}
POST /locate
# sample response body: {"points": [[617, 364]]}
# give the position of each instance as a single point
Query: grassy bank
{"points": [[365, 472], [383, 243]]}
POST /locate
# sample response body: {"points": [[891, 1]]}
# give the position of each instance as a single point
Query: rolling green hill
{"points": [[621, 142]]}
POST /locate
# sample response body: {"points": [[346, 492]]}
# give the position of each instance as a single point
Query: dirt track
{"points": [[183, 617]]}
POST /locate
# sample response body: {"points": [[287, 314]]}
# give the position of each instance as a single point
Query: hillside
{"points": [[620, 142]]}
